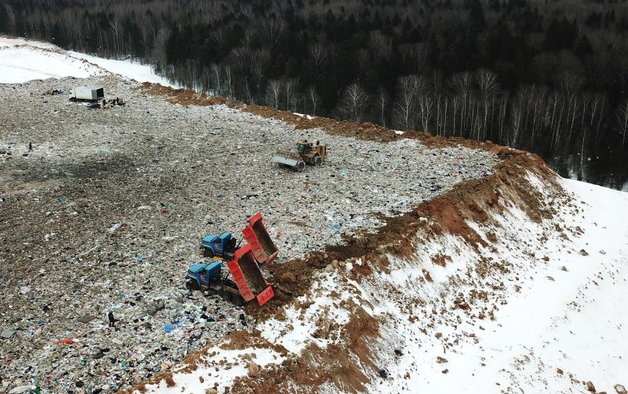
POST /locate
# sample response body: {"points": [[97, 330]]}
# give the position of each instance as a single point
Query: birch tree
{"points": [[405, 104], [622, 121], [313, 99], [353, 102], [273, 93]]}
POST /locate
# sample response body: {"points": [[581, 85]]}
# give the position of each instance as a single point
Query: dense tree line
{"points": [[545, 76]]}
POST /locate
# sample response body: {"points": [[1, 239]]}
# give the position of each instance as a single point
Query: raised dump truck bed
{"points": [[248, 277], [262, 246]]}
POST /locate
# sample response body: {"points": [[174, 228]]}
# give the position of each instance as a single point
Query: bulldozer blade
{"points": [[296, 164]]}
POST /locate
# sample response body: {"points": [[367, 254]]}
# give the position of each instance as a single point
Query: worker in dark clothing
{"points": [[30, 146], [112, 320]]}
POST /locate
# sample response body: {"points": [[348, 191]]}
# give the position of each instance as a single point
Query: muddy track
{"points": [[450, 212]]}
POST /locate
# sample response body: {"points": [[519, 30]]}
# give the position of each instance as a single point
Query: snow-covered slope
{"points": [[554, 303], [24, 60]]}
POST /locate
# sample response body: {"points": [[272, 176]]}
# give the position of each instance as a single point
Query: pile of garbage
{"points": [[102, 211]]}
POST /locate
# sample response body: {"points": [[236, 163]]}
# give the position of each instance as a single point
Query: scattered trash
{"points": [[113, 243], [68, 341], [7, 333]]}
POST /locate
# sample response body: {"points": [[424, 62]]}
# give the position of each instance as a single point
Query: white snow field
{"points": [[24, 60]]}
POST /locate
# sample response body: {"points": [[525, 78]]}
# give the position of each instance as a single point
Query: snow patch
{"points": [[220, 368]]}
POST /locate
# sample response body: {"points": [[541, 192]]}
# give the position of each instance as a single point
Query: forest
{"points": [[547, 76]]}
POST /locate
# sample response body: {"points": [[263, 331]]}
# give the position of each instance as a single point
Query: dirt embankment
{"points": [[351, 366]]}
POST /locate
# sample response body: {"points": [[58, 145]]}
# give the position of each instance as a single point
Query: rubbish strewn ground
{"points": [[107, 211], [511, 283]]}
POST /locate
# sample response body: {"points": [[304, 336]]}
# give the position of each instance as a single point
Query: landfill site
{"points": [[155, 240], [102, 211]]}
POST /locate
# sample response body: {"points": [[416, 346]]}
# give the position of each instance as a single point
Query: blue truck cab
{"points": [[201, 275], [218, 245]]}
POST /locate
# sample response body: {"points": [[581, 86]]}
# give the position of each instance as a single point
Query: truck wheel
{"points": [[207, 252], [300, 166], [237, 300], [317, 160], [192, 284]]}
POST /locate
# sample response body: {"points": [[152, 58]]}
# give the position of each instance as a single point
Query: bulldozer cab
{"points": [[304, 147]]}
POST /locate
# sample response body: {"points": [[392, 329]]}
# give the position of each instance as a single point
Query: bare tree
{"points": [[318, 56], [147, 29], [380, 45], [118, 37], [461, 84], [159, 53], [11, 18], [353, 102], [622, 121], [273, 92], [240, 57], [289, 87], [381, 105], [313, 99], [501, 122], [585, 135], [363, 60], [425, 100], [597, 107], [259, 60], [404, 110], [516, 121], [229, 88], [570, 83], [487, 83], [416, 55], [455, 107], [273, 29], [216, 77]]}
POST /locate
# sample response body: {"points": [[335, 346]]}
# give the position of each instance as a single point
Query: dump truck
{"points": [[307, 153], [243, 263], [210, 276], [87, 93], [218, 244]]}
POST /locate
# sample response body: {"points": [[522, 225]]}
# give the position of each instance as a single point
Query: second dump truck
{"points": [[243, 264]]}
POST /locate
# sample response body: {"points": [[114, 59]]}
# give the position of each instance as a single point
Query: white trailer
{"points": [[89, 93]]}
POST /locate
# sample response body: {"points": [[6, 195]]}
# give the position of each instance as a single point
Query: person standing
{"points": [[112, 320]]}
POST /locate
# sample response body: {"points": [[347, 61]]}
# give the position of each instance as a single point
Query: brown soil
{"points": [[351, 366]]}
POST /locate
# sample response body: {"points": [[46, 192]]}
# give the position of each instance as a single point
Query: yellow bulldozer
{"points": [[307, 153]]}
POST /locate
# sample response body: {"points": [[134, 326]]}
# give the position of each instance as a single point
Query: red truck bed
{"points": [[248, 277], [262, 247]]}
